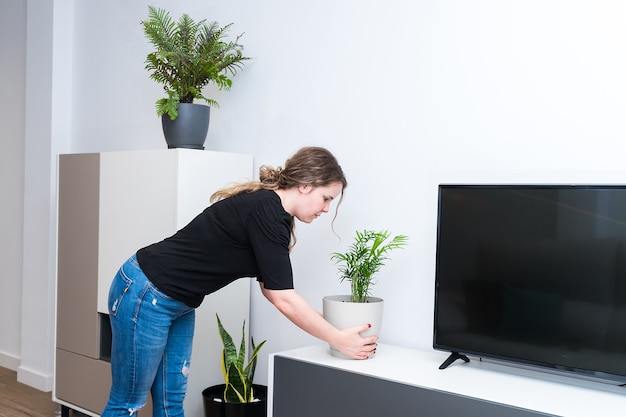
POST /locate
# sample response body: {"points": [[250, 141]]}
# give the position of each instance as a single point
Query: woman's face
{"points": [[313, 201]]}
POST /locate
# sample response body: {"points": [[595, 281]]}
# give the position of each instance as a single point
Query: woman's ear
{"points": [[305, 188]]}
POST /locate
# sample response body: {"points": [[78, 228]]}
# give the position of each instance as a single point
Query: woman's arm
{"points": [[295, 308]]}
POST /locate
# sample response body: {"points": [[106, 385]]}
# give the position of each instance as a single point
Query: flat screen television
{"points": [[534, 275]]}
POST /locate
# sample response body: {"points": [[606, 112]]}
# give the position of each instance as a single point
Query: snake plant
{"points": [[238, 375], [364, 259]]}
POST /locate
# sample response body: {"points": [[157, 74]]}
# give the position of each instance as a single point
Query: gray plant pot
{"points": [[339, 311], [189, 129]]}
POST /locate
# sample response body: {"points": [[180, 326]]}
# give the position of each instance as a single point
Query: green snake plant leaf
{"points": [[238, 376], [251, 367], [230, 351], [236, 386]]}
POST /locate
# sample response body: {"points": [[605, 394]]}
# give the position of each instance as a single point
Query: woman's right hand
{"points": [[347, 341], [352, 344]]}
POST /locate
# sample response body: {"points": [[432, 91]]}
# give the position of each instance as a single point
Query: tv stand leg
{"points": [[453, 357]]}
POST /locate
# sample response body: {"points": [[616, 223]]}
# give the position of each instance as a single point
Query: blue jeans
{"points": [[151, 346]]}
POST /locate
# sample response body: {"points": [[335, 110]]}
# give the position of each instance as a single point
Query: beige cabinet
{"points": [[109, 205]]}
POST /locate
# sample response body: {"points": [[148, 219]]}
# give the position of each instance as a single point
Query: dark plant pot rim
{"points": [[215, 393]]}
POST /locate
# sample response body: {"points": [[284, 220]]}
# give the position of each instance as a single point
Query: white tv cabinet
{"points": [[404, 382], [109, 205]]}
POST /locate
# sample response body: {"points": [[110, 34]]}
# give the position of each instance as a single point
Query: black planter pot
{"points": [[214, 408], [189, 129]]}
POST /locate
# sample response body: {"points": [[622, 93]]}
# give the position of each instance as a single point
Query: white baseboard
{"points": [[9, 361], [35, 379]]}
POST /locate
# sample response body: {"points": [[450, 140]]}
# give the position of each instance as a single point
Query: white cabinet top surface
{"points": [[519, 387]]}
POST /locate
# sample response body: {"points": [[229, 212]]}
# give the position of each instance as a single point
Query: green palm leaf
{"points": [[364, 258]]}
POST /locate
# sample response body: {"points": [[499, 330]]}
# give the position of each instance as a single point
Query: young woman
{"points": [[246, 232]]}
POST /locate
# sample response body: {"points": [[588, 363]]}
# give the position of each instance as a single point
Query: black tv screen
{"points": [[533, 274]]}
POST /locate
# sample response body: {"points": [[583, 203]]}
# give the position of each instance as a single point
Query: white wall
{"points": [[12, 84], [34, 128], [406, 93]]}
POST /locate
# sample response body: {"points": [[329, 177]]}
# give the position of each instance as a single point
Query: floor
{"points": [[20, 400]]}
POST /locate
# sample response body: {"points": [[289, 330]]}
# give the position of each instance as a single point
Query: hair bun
{"points": [[269, 175]]}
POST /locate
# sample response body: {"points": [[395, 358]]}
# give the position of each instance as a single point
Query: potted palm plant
{"points": [[359, 265], [238, 396], [188, 56]]}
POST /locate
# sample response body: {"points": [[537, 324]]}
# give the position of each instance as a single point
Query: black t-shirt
{"points": [[246, 235]]}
